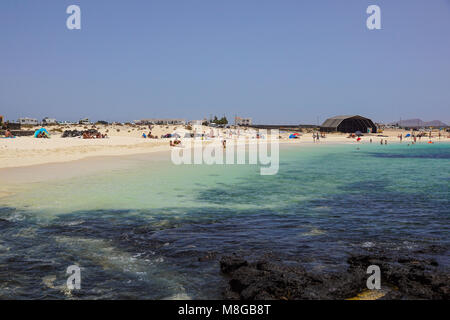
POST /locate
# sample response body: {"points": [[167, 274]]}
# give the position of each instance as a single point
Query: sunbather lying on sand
{"points": [[175, 143]]}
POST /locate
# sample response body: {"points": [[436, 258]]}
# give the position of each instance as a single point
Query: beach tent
{"points": [[293, 136], [40, 131], [408, 135]]}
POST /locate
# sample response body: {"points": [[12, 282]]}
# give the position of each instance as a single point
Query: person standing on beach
{"points": [[381, 141], [314, 137]]}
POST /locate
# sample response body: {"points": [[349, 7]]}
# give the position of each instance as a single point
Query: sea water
{"points": [[148, 229]]}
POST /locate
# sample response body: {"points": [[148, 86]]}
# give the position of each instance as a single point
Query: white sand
{"points": [[126, 140]]}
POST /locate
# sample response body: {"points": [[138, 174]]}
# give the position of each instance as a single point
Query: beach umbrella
{"points": [[358, 133]]}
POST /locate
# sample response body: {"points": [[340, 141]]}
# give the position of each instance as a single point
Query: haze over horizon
{"points": [[284, 62]]}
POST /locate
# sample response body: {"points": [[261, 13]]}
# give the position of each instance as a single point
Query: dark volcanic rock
{"points": [[231, 263], [77, 133], [208, 256], [414, 278], [267, 280]]}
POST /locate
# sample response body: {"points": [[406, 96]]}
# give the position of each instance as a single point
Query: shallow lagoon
{"points": [[143, 228]]}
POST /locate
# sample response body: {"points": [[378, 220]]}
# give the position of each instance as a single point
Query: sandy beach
{"points": [[127, 140]]}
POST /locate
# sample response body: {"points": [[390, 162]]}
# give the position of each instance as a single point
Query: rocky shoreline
{"points": [[401, 278]]}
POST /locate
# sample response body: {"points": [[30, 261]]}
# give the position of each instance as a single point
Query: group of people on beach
{"points": [[97, 135], [42, 135], [316, 137], [149, 136]]}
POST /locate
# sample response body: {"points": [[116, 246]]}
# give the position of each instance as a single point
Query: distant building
{"points": [[84, 121], [196, 122], [242, 121], [48, 120], [29, 121], [161, 121], [349, 124], [418, 123]]}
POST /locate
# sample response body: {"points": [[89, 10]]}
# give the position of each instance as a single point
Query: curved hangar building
{"points": [[348, 124]]}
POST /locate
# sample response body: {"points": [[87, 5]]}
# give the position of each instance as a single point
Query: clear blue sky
{"points": [[284, 61]]}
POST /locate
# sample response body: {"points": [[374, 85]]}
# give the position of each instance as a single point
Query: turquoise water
{"points": [[153, 230]]}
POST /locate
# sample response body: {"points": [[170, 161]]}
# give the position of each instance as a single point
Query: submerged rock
{"points": [[402, 278]]}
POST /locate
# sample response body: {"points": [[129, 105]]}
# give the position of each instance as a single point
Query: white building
{"points": [[161, 121], [196, 122], [48, 120], [30, 121], [84, 121], [242, 121]]}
